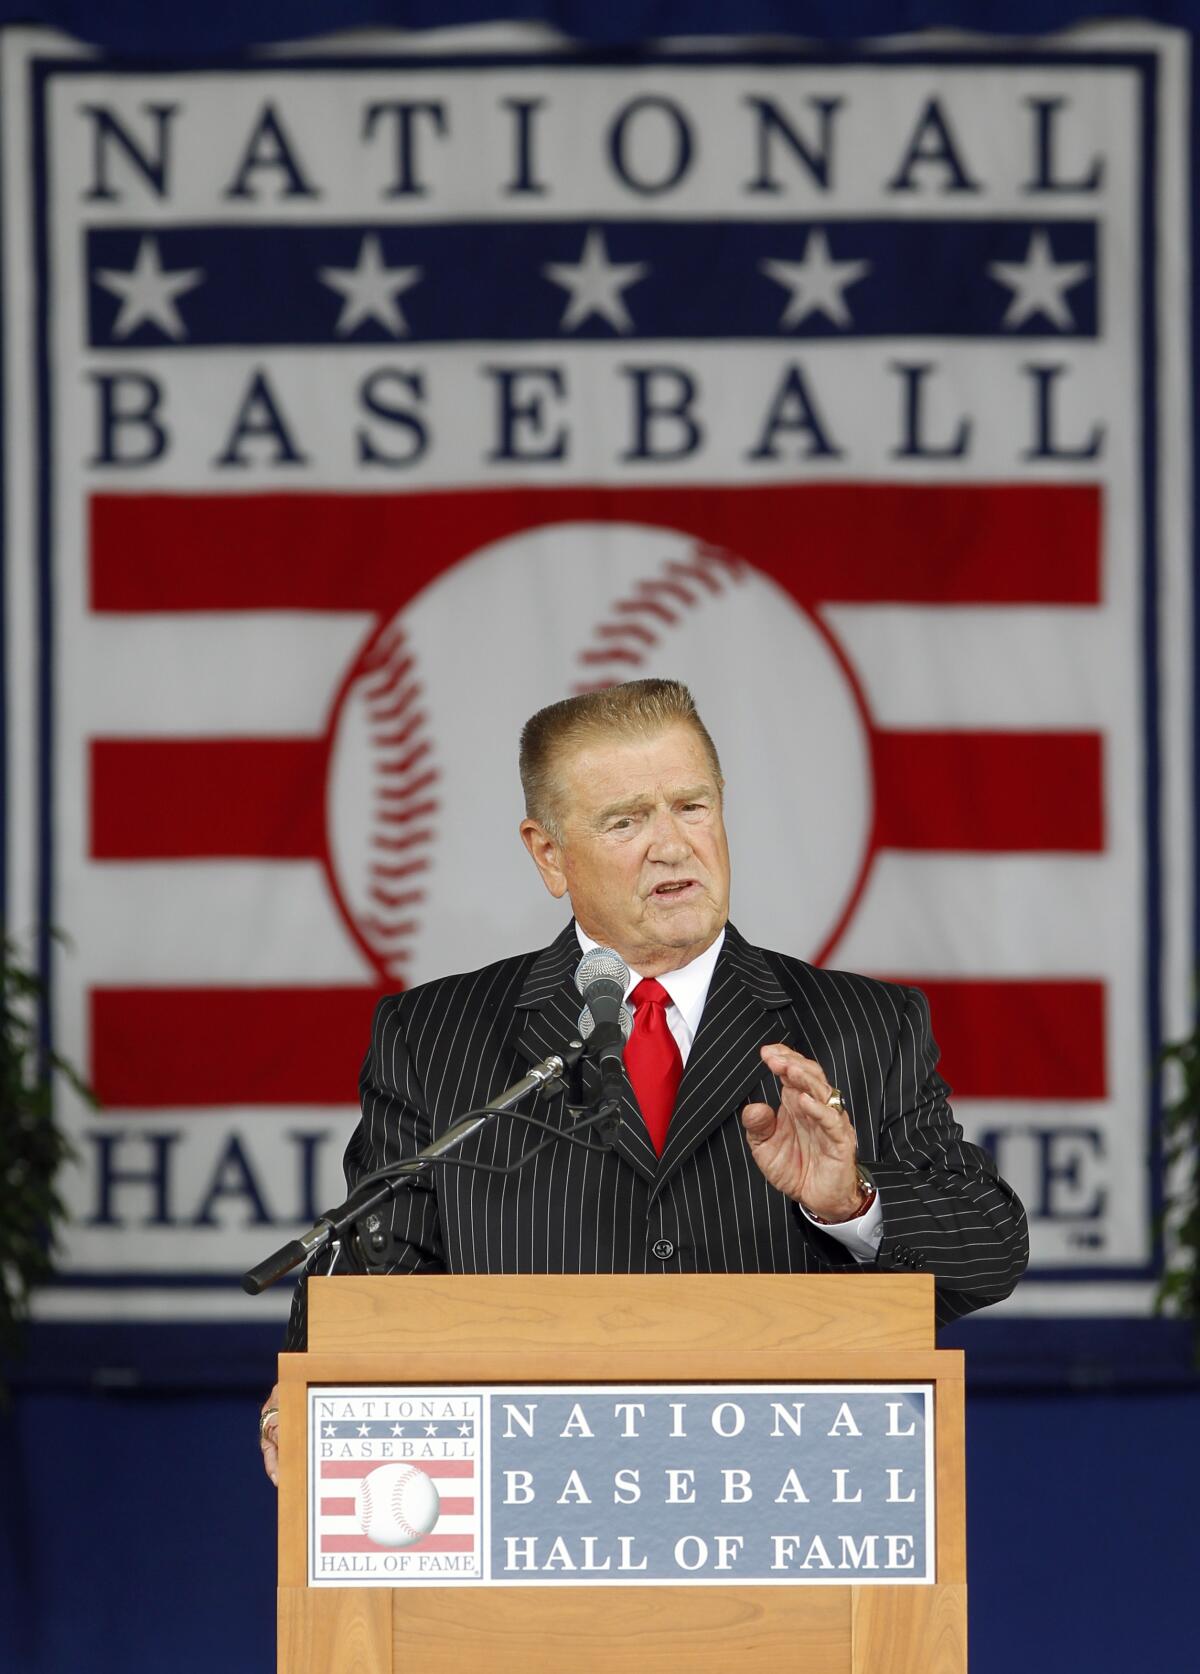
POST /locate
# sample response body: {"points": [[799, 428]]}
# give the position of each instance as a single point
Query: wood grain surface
{"points": [[616, 1365], [909, 1630], [834, 1311], [626, 1630], [335, 1630]]}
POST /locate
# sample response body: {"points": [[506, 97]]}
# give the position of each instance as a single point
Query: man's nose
{"points": [[668, 839]]}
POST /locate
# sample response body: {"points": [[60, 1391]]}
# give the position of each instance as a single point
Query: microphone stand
{"points": [[542, 1079]]}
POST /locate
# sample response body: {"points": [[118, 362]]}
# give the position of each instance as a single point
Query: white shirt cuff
{"points": [[862, 1236]]}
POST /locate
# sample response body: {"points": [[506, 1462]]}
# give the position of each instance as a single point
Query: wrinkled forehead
{"points": [[602, 768]]}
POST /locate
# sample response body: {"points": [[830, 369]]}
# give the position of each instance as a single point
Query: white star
{"points": [[364, 1429], [1038, 284], [397, 1429], [816, 282], [464, 1429], [331, 1429], [147, 293], [370, 290], [595, 285], [431, 1429]]}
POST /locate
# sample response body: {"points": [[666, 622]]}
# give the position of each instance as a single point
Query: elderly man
{"points": [[781, 1118]]}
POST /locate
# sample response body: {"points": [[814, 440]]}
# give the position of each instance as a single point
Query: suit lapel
{"points": [[547, 1015], [548, 1010], [746, 1008]]}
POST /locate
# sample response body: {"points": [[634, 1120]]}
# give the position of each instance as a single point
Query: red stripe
{"points": [[155, 798], [453, 1506], [965, 544], [431, 1543], [1020, 1039], [363, 1467], [999, 792], [154, 1047], [265, 798]]}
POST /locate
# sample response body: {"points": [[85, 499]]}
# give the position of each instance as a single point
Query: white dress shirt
{"points": [[688, 989]]}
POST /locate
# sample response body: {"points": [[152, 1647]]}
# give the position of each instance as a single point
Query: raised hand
{"points": [[806, 1148]]}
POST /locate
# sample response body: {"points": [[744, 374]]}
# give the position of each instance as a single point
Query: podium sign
{"points": [[630, 1486], [523, 1473]]}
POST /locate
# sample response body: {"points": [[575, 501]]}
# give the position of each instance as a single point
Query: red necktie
{"points": [[652, 1059]]}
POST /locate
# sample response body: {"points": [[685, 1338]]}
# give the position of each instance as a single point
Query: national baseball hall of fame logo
{"points": [[775, 1485], [379, 402]]}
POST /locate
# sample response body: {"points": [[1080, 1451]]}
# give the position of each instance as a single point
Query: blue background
{"points": [[137, 1533], [136, 1527], [959, 299], [150, 28]]}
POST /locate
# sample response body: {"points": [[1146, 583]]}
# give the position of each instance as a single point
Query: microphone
{"points": [[587, 1023], [601, 977]]}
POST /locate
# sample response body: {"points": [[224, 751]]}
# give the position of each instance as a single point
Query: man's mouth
{"points": [[676, 890]]}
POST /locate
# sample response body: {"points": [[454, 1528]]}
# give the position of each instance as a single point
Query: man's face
{"points": [[643, 854]]}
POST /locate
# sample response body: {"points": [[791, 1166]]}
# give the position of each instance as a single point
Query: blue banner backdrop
{"points": [[144, 27], [348, 367]]}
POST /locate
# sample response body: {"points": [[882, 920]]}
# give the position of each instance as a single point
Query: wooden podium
{"points": [[710, 1329]]}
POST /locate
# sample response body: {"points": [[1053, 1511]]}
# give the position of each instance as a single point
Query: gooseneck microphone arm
{"points": [[601, 978], [376, 1189]]}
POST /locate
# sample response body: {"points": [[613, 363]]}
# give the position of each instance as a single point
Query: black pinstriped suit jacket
{"points": [[449, 1046]]}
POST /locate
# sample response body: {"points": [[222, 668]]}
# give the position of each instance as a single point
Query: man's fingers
{"points": [[801, 1074], [268, 1435], [269, 1445], [759, 1121], [834, 1123], [788, 1055]]}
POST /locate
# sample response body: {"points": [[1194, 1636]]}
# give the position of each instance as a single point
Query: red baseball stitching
{"points": [[367, 1504], [406, 1525], [398, 732], [624, 642]]}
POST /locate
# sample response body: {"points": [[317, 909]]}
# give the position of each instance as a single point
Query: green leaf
{"points": [[33, 1147], [1179, 1135]]}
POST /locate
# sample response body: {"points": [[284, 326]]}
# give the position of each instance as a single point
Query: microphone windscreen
{"points": [[601, 964], [587, 1022]]}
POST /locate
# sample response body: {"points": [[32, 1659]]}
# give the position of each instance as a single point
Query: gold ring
{"points": [[835, 1101], [264, 1418]]}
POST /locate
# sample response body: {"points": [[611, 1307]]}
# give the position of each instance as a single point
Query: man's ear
{"points": [[547, 856]]}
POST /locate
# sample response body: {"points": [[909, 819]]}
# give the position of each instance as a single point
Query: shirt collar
{"points": [[688, 986]]}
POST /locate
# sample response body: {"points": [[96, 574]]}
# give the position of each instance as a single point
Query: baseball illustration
{"points": [[396, 1504], [423, 756]]}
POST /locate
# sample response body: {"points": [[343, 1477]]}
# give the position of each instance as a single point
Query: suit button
{"points": [[663, 1249]]}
